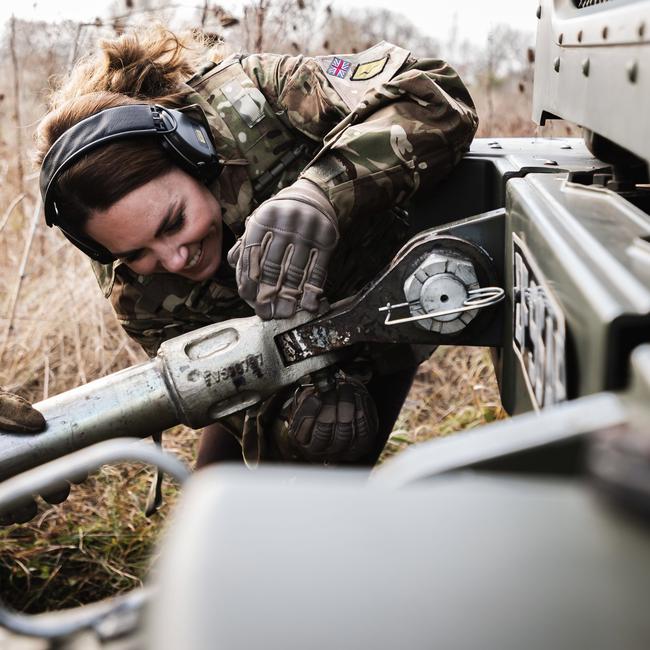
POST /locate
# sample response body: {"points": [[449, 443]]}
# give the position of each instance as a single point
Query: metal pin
{"points": [[477, 299]]}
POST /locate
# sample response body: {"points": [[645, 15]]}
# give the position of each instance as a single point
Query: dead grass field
{"points": [[57, 331]]}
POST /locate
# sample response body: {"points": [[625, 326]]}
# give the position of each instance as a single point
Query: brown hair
{"points": [[149, 65]]}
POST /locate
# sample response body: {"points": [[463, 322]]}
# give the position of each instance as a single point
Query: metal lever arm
{"points": [[355, 320], [196, 379]]}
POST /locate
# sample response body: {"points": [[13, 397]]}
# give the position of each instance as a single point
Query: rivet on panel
{"points": [[556, 64], [580, 36], [560, 39], [605, 33], [632, 69], [585, 67], [641, 30], [539, 11]]}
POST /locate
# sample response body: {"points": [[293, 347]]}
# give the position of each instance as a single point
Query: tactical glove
{"points": [[18, 416], [281, 260], [334, 424]]}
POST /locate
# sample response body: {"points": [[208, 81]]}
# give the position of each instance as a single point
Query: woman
{"points": [[312, 154]]}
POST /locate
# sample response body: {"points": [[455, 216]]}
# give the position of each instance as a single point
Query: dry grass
{"points": [[95, 544], [455, 389], [62, 332], [508, 113]]}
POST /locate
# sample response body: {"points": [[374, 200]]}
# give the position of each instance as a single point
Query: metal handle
{"points": [[478, 299], [111, 617]]}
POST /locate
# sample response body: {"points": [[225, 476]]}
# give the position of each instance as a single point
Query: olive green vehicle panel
{"points": [[478, 183], [461, 561], [528, 176], [592, 249], [593, 68]]}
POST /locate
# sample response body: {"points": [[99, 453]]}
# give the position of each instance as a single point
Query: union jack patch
{"points": [[339, 68]]}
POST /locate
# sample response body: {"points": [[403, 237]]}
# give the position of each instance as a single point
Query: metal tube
{"points": [[109, 618], [196, 379], [130, 403], [43, 478]]}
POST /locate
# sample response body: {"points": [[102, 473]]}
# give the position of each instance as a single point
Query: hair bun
{"points": [[145, 65], [149, 63]]}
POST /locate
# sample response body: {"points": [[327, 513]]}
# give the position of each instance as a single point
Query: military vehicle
{"points": [[531, 532]]}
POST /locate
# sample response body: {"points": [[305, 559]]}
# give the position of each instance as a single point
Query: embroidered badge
{"points": [[339, 68], [369, 70]]}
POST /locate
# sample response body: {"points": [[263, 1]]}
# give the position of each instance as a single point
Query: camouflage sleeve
{"points": [[147, 327], [151, 332], [407, 129], [298, 92], [162, 306]]}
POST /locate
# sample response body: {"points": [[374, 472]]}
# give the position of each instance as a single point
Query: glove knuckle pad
{"points": [[342, 422]]}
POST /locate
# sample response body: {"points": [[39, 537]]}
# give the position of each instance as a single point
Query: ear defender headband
{"points": [[183, 134]]}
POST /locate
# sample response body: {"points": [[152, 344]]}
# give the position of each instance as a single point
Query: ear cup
{"points": [[191, 146]]}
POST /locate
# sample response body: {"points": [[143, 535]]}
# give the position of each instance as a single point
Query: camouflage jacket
{"points": [[369, 129]]}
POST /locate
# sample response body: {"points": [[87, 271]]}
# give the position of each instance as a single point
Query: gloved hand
{"points": [[335, 424], [281, 260], [18, 416]]}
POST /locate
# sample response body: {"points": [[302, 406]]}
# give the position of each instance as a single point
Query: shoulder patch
{"points": [[369, 70], [352, 75]]}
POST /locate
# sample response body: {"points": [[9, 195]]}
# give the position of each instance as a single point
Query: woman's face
{"points": [[170, 224]]}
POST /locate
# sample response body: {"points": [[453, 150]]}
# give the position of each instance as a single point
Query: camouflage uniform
{"points": [[367, 128]]}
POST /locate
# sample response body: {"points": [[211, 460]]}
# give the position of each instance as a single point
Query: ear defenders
{"points": [[183, 134]]}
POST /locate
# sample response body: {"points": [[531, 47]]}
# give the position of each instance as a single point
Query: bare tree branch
{"points": [[12, 206], [16, 111], [21, 271]]}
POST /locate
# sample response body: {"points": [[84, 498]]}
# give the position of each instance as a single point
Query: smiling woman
{"points": [[168, 166], [177, 230]]}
